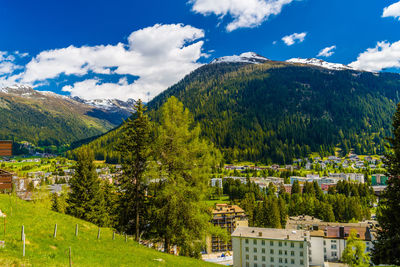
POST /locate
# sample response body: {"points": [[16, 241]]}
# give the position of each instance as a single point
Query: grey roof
{"points": [[271, 233]]}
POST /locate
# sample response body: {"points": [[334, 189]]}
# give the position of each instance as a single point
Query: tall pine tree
{"points": [[184, 164], [387, 246], [134, 148], [85, 200]]}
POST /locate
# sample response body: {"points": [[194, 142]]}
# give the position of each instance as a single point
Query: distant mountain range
{"points": [[46, 118], [257, 109]]}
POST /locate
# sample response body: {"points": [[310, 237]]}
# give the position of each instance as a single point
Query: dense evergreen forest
{"points": [[277, 111]]}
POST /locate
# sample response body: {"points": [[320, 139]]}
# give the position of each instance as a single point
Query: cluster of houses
{"points": [[379, 181], [305, 241], [351, 161]]}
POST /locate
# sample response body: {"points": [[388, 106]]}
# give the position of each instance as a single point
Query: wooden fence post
{"points": [[22, 233], [23, 246], [55, 231], [98, 234], [76, 230], [70, 259]]}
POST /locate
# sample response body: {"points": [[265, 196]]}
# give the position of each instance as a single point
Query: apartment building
{"points": [[329, 243], [267, 247], [228, 217]]}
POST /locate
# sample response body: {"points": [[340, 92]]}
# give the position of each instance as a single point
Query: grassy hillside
{"points": [[44, 250]]}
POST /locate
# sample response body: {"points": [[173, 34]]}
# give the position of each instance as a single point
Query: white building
{"points": [[267, 247], [216, 182]]}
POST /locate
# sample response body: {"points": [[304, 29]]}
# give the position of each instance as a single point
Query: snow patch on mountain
{"points": [[319, 63], [248, 57], [103, 104]]}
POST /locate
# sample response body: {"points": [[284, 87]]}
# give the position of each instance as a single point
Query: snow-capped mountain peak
{"points": [[248, 57], [319, 63], [27, 91]]}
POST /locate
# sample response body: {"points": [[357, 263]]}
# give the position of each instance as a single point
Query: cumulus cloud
{"points": [[327, 51], [7, 68], [159, 56], [383, 55], [392, 11], [245, 13], [293, 38]]}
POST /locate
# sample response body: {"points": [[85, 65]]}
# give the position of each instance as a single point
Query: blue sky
{"points": [[122, 49]]}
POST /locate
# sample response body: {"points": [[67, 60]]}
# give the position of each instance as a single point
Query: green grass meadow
{"points": [[86, 250]]}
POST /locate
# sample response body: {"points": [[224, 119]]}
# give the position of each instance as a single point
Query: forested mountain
{"points": [[276, 111], [45, 118]]}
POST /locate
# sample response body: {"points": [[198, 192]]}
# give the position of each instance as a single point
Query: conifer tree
{"points": [[85, 200], [134, 148], [295, 187], [387, 246], [184, 164]]}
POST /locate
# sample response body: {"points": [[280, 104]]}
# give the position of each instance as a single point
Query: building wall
{"points": [[264, 252], [317, 251], [333, 248]]}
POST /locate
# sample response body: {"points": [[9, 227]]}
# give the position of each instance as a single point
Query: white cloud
{"points": [[293, 38], [159, 56], [327, 51], [245, 13], [7, 67], [392, 11], [383, 55]]}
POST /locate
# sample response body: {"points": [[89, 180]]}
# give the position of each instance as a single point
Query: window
{"points": [[272, 259], [247, 256], [291, 253], [280, 260], [333, 254], [255, 265], [246, 241], [324, 242], [255, 250], [324, 249], [333, 241], [301, 253], [255, 242], [263, 258], [291, 261], [263, 265], [255, 257], [301, 262], [280, 252], [271, 243], [292, 245], [263, 242], [247, 249], [301, 245], [263, 250], [285, 260], [280, 243], [247, 264], [285, 252], [333, 246], [271, 251]]}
